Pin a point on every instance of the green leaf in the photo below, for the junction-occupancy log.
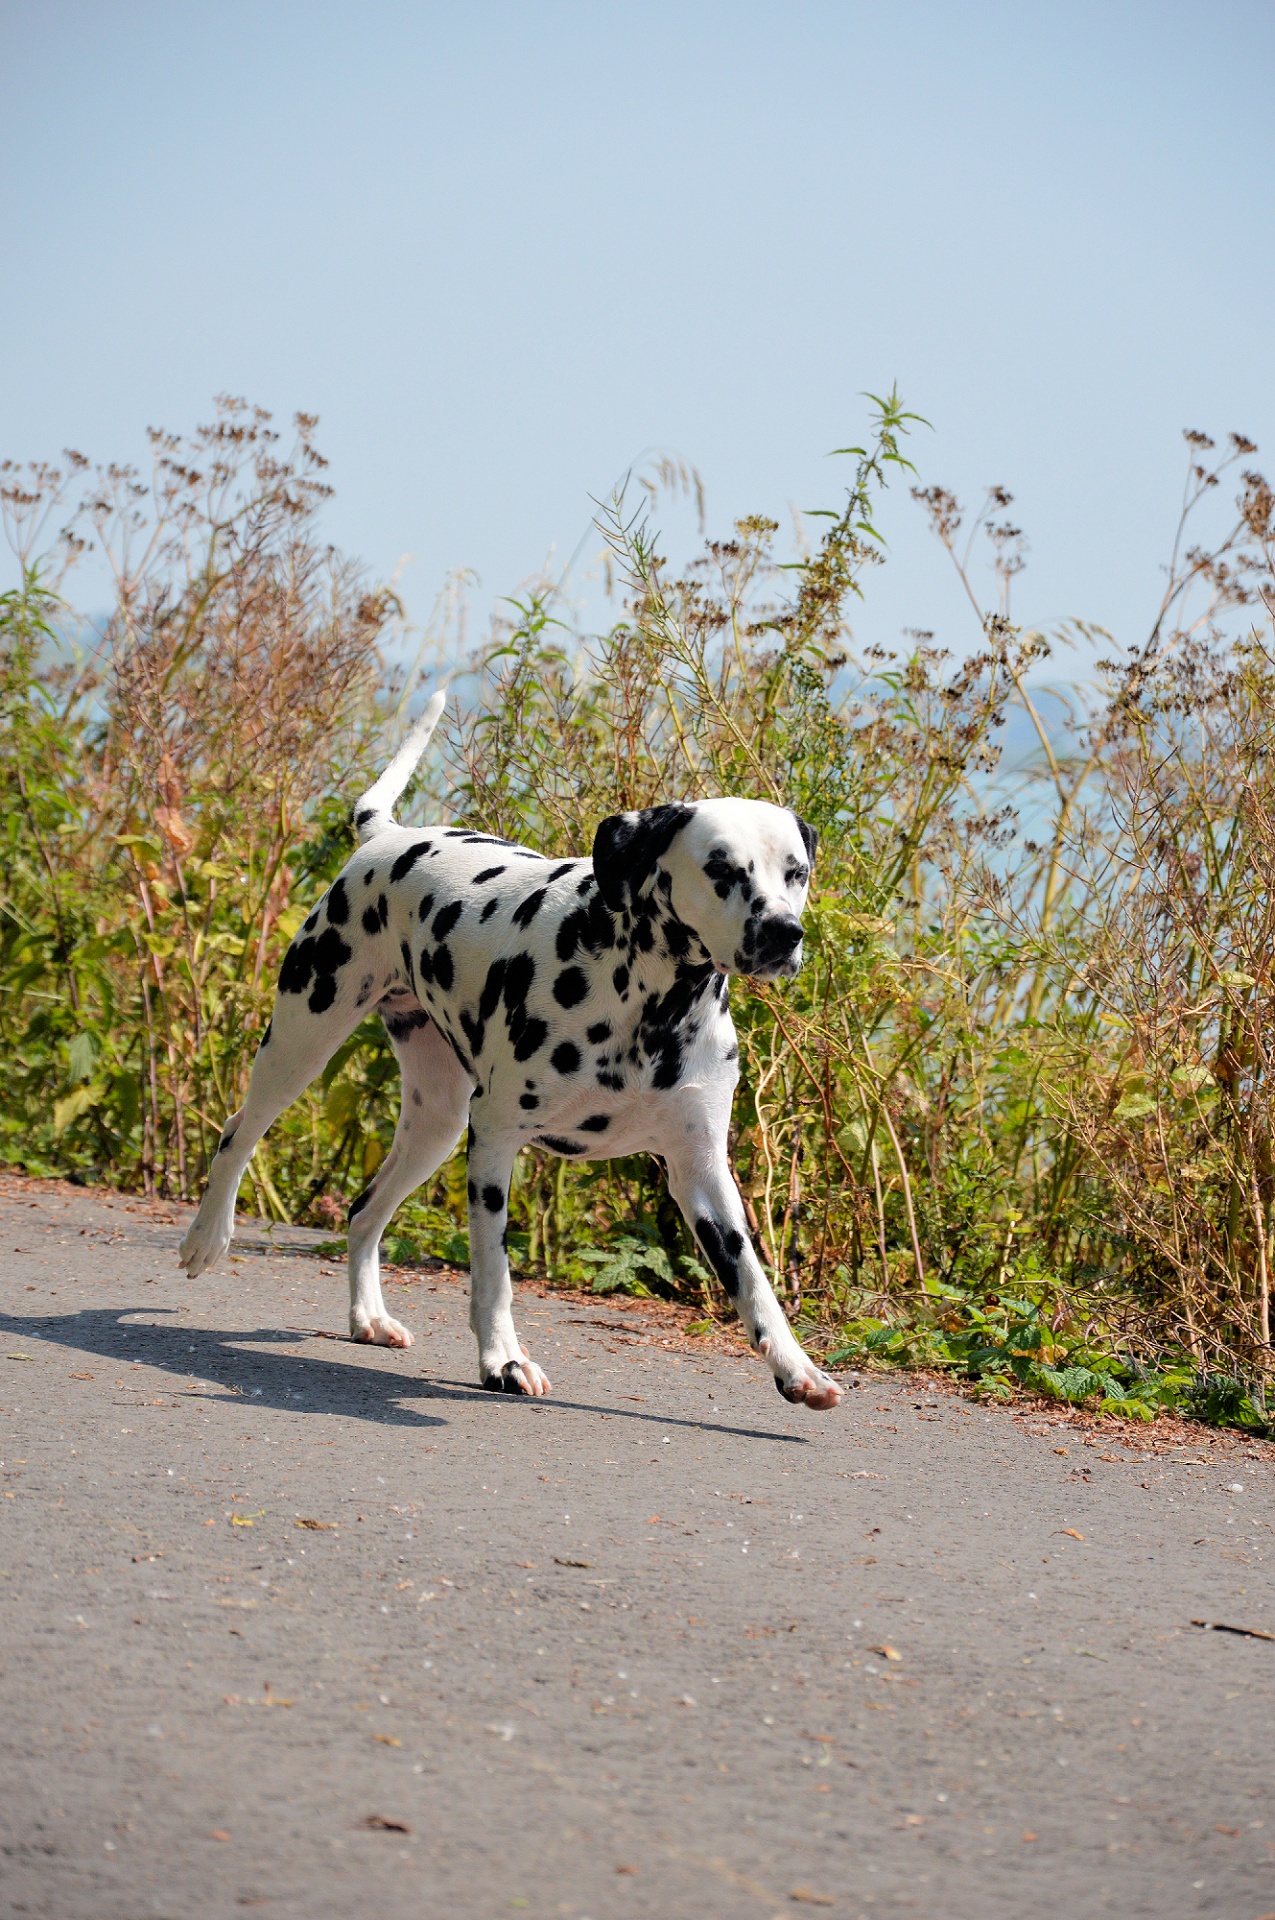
(70, 1108)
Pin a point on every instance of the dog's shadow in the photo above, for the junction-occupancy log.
(252, 1369)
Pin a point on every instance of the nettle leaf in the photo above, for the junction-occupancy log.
(70, 1109)
(1134, 1106)
(81, 1058)
(620, 1265)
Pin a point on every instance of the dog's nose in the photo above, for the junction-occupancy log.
(778, 938)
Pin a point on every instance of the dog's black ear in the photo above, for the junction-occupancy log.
(809, 838)
(627, 845)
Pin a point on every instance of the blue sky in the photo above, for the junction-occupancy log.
(502, 250)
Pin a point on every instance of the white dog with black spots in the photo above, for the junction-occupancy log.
(576, 1005)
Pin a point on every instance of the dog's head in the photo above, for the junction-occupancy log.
(735, 871)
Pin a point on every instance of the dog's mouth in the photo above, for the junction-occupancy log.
(758, 967)
(774, 950)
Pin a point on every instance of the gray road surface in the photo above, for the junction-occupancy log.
(616, 1654)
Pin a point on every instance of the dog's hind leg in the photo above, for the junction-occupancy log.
(503, 1364)
(297, 1046)
(436, 1094)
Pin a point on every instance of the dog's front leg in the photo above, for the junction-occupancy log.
(700, 1179)
(503, 1366)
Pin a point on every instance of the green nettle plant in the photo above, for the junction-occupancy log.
(1014, 1117)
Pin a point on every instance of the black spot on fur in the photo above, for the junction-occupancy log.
(416, 1097)
(493, 1199)
(556, 1145)
(471, 1188)
(620, 979)
(406, 952)
(596, 1123)
(426, 966)
(265, 1038)
(445, 919)
(570, 987)
(226, 1139)
(407, 860)
(358, 1205)
(523, 915)
(312, 922)
(489, 909)
(426, 907)
(364, 814)
(488, 873)
(529, 1037)
(520, 971)
(323, 993)
(371, 920)
(444, 970)
(529, 1101)
(611, 1081)
(338, 904)
(559, 871)
(369, 876)
(493, 986)
(589, 927)
(598, 1032)
(723, 1248)
(565, 1057)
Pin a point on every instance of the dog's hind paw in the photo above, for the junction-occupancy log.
(378, 1330)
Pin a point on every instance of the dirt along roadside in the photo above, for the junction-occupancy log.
(290, 1625)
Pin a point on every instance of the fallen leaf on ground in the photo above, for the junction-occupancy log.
(811, 1899)
(81, 1376)
(1062, 1449)
(380, 1824)
(1232, 1833)
(317, 1526)
(1029, 1836)
(626, 1869)
(272, 1699)
(387, 1739)
(139, 1557)
(1220, 1626)
(1071, 1533)
(219, 1833)
(558, 1561)
(891, 1653)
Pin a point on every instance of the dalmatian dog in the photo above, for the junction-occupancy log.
(576, 1005)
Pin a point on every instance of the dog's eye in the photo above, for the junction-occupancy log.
(796, 876)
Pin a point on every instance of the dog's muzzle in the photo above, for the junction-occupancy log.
(778, 940)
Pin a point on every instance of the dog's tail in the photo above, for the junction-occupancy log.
(376, 808)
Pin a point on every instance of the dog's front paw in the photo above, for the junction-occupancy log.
(803, 1384)
(378, 1330)
(518, 1376)
(202, 1245)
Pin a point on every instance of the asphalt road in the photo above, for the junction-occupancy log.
(314, 1629)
